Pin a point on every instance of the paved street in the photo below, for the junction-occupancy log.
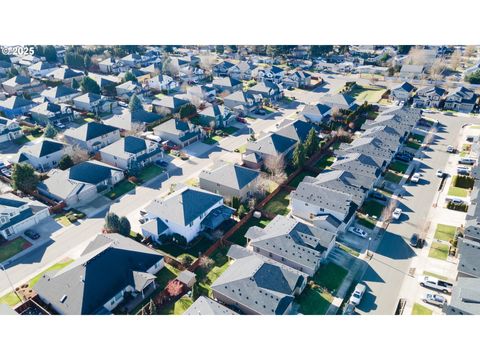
(391, 263)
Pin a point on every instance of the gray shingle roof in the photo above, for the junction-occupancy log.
(125, 147)
(206, 306)
(109, 264)
(272, 144)
(466, 296)
(90, 131)
(231, 175)
(43, 148)
(59, 91)
(469, 263)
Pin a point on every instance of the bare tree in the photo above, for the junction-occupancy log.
(470, 51)
(455, 60)
(276, 166)
(207, 61)
(416, 56)
(205, 262)
(437, 69)
(77, 154)
(136, 129)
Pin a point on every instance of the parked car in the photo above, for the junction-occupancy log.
(455, 201)
(357, 295)
(357, 231)
(349, 309)
(434, 299)
(378, 196)
(451, 149)
(397, 213)
(404, 156)
(260, 112)
(439, 173)
(32, 234)
(415, 178)
(436, 284)
(463, 170)
(466, 161)
(416, 241)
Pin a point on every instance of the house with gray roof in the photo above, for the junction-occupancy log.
(429, 97)
(65, 75)
(229, 180)
(296, 130)
(168, 104)
(41, 69)
(128, 89)
(339, 101)
(465, 299)
(257, 287)
(227, 85)
(49, 112)
(411, 71)
(370, 146)
(92, 136)
(206, 306)
(217, 115)
(94, 103)
(110, 267)
(126, 120)
(19, 214)
(271, 145)
(358, 164)
(60, 94)
(222, 68)
(268, 90)
(318, 113)
(387, 134)
(15, 106)
(22, 84)
(242, 102)
(292, 243)
(43, 155)
(181, 133)
(185, 212)
(469, 254)
(81, 183)
(402, 119)
(402, 92)
(461, 99)
(131, 152)
(9, 130)
(298, 79)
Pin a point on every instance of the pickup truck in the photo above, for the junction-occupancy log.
(435, 284)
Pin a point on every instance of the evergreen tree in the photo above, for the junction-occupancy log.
(65, 162)
(312, 143)
(50, 131)
(135, 104)
(24, 177)
(298, 158)
(88, 85)
(124, 226)
(112, 222)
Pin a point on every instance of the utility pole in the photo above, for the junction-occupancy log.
(10, 282)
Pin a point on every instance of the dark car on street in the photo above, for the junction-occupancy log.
(416, 241)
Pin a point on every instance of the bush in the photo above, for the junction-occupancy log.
(460, 207)
(464, 182)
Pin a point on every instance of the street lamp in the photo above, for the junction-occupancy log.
(10, 282)
(368, 246)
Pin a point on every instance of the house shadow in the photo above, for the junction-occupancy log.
(35, 256)
(395, 247)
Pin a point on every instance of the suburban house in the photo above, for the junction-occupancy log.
(9, 130)
(271, 145)
(370, 146)
(402, 92)
(229, 180)
(252, 161)
(60, 94)
(429, 97)
(461, 99)
(227, 85)
(81, 183)
(22, 84)
(110, 267)
(48, 112)
(131, 152)
(93, 103)
(257, 287)
(162, 83)
(92, 136)
(339, 101)
(43, 155)
(127, 89)
(168, 104)
(387, 134)
(242, 103)
(217, 115)
(242, 70)
(298, 79)
(112, 65)
(222, 68)
(16, 106)
(318, 113)
(465, 299)
(66, 76)
(469, 254)
(292, 243)
(297, 130)
(268, 90)
(411, 71)
(186, 212)
(202, 92)
(181, 133)
(132, 60)
(18, 214)
(41, 69)
(272, 73)
(123, 119)
(206, 306)
(357, 163)
(402, 119)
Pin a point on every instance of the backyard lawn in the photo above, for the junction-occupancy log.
(239, 236)
(445, 232)
(176, 308)
(22, 140)
(421, 310)
(221, 263)
(413, 145)
(348, 250)
(13, 247)
(119, 189)
(165, 275)
(279, 203)
(439, 251)
(399, 167)
(456, 191)
(149, 172)
(330, 276)
(299, 178)
(325, 162)
(392, 177)
(198, 245)
(372, 208)
(314, 301)
(367, 93)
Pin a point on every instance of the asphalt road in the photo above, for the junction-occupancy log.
(391, 262)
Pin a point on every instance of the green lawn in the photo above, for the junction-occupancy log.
(13, 247)
(279, 203)
(11, 299)
(166, 274)
(230, 130)
(366, 93)
(392, 177)
(239, 236)
(366, 221)
(439, 251)
(456, 191)
(22, 141)
(330, 276)
(209, 141)
(445, 232)
(421, 310)
(441, 277)
(56, 267)
(413, 145)
(348, 250)
(418, 138)
(177, 308)
(325, 162)
(206, 279)
(119, 189)
(399, 167)
(149, 172)
(372, 208)
(299, 178)
(198, 245)
(314, 301)
(62, 220)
